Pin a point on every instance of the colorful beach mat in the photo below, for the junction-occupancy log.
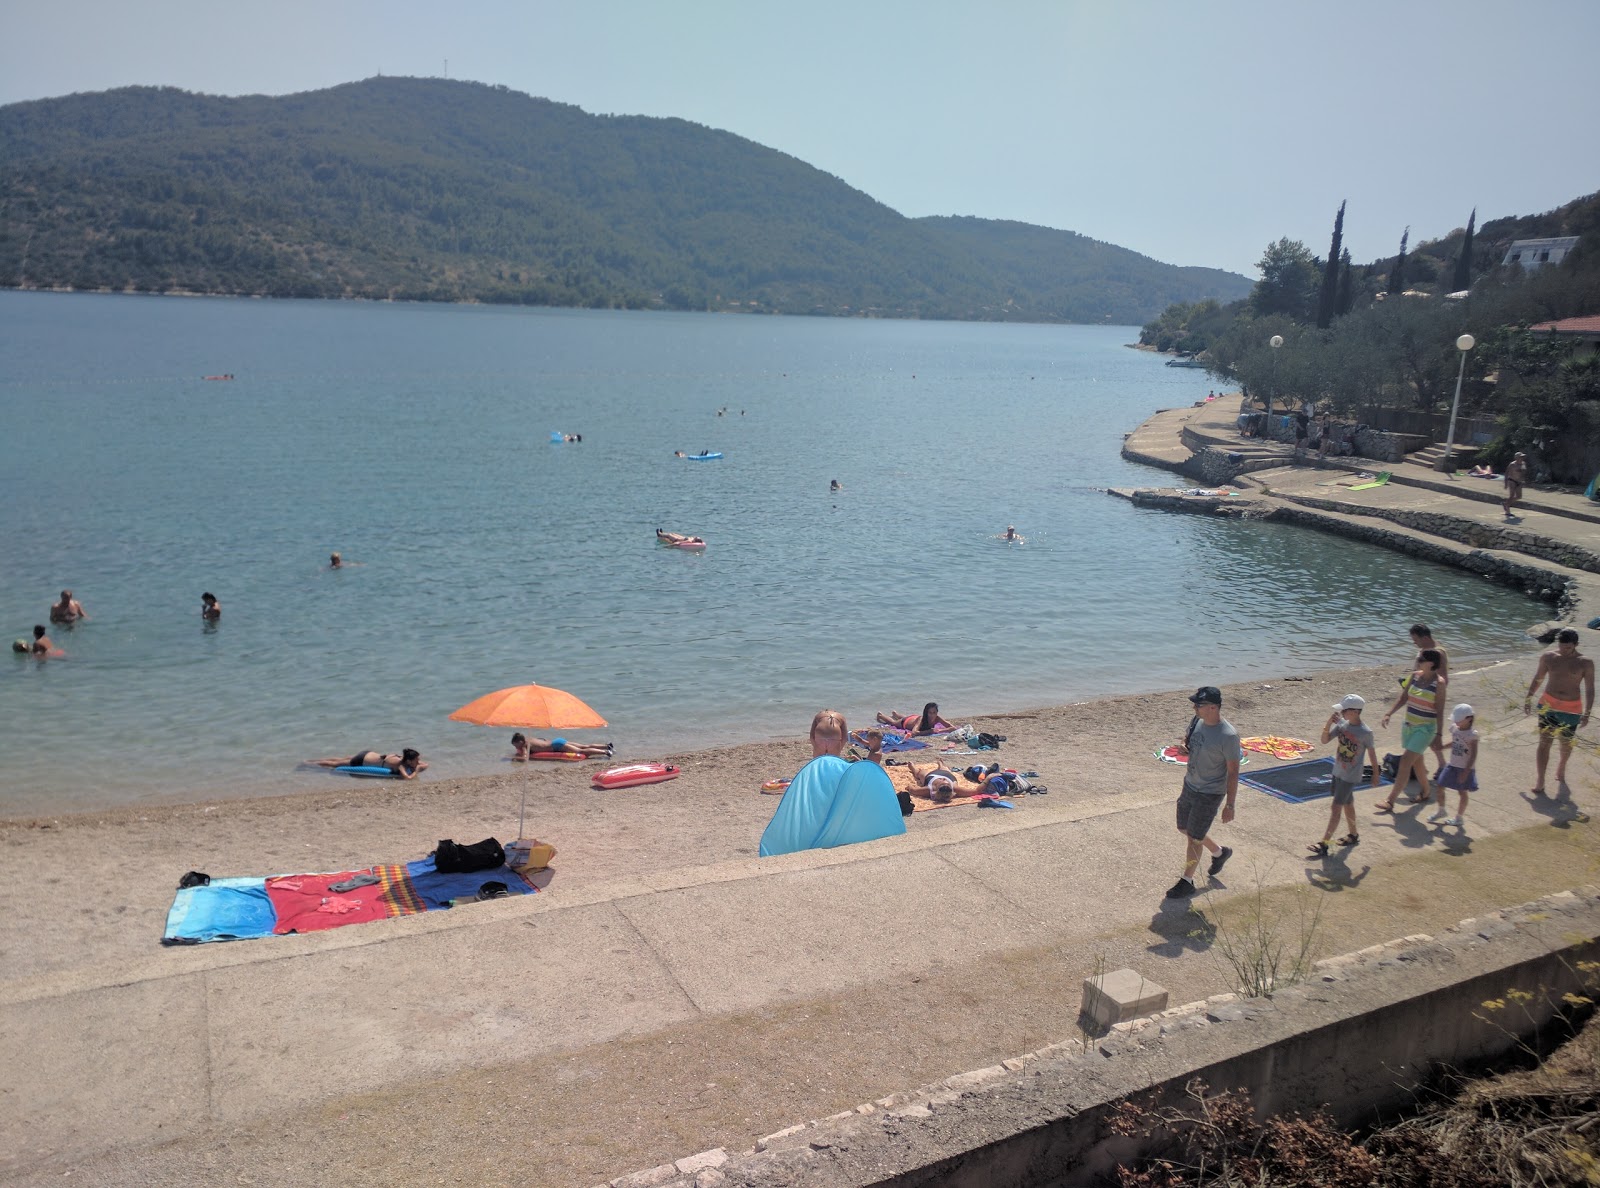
(1277, 746)
(276, 905)
(1311, 779)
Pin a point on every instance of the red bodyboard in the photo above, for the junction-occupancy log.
(635, 773)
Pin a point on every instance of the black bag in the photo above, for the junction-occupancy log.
(451, 858)
(988, 742)
(1391, 766)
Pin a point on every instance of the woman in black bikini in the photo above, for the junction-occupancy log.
(405, 765)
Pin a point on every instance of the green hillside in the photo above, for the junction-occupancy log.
(428, 189)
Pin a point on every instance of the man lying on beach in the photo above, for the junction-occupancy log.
(1565, 704)
(68, 610)
(405, 765)
(522, 747)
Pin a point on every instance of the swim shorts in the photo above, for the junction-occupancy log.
(1558, 723)
(1344, 791)
(1196, 812)
(1419, 737)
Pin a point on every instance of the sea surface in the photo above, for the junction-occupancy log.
(415, 441)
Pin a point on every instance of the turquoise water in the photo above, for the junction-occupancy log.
(415, 440)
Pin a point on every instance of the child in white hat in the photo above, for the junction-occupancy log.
(1353, 737)
(1460, 770)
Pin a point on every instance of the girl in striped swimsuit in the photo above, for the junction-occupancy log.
(1421, 693)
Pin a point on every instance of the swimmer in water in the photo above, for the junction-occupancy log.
(336, 562)
(834, 486)
(68, 610)
(210, 608)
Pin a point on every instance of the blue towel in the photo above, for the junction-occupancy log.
(833, 803)
(224, 909)
(437, 890)
(892, 742)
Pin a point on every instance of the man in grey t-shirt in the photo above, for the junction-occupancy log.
(1210, 783)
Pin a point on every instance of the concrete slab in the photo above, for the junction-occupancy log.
(735, 946)
(88, 1087)
(350, 1020)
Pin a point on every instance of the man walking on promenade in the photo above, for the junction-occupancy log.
(1210, 783)
(1566, 675)
(1516, 475)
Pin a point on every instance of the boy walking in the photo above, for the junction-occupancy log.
(1354, 737)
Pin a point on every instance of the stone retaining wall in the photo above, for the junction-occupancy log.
(1358, 1039)
(1508, 537)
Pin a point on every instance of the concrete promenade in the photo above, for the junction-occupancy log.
(580, 1034)
(1456, 520)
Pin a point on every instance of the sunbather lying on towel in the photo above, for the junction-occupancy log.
(522, 747)
(927, 722)
(936, 778)
(405, 765)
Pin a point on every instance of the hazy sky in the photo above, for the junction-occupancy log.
(1195, 132)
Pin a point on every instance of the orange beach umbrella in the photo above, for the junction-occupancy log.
(534, 707)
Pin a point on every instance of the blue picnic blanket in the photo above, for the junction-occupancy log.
(436, 890)
(223, 909)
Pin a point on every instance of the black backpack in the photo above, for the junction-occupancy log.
(452, 858)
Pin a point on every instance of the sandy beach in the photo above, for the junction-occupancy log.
(713, 813)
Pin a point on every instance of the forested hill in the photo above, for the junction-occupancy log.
(428, 189)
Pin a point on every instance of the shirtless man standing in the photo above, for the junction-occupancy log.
(68, 610)
(1567, 676)
(1516, 475)
(1422, 636)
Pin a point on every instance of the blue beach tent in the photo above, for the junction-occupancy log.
(833, 803)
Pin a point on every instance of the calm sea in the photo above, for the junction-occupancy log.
(415, 440)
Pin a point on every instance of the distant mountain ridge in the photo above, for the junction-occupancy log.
(431, 189)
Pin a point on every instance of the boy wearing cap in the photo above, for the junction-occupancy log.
(1460, 772)
(1353, 737)
(1210, 785)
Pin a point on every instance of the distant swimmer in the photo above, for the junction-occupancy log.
(405, 765)
(336, 562)
(68, 610)
(210, 608)
(229, 376)
(679, 454)
(1011, 534)
(834, 486)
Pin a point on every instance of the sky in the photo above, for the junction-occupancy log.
(1195, 133)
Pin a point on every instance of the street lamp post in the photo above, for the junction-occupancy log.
(1274, 342)
(1463, 344)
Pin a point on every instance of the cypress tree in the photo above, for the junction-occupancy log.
(1347, 286)
(1330, 274)
(1463, 277)
(1397, 274)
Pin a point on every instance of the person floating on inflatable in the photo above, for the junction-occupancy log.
(831, 802)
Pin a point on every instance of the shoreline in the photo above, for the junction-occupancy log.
(336, 790)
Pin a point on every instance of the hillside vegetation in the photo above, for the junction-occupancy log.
(429, 189)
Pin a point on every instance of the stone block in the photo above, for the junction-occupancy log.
(1122, 994)
(690, 1164)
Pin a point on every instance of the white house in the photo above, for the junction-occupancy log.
(1535, 253)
